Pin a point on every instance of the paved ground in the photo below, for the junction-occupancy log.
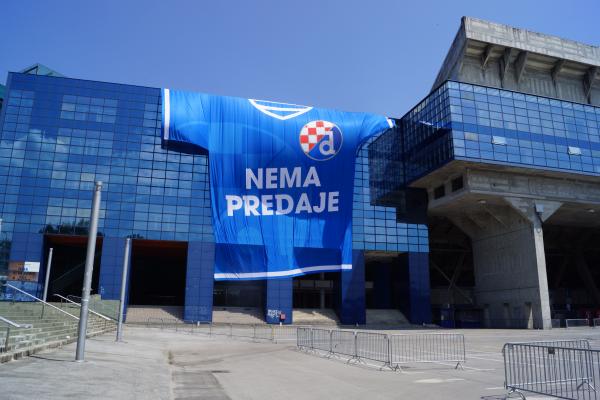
(155, 364)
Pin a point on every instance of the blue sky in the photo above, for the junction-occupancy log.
(376, 56)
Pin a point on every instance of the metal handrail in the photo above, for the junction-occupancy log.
(40, 300)
(72, 296)
(14, 324)
(4, 346)
(79, 305)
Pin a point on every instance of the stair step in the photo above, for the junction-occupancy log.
(50, 329)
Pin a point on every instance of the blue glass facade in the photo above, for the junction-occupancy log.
(59, 135)
(460, 121)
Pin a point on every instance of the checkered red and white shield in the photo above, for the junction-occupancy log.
(314, 134)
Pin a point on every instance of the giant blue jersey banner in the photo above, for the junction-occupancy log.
(281, 180)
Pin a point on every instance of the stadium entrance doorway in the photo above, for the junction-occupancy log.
(68, 264)
(158, 271)
(316, 290)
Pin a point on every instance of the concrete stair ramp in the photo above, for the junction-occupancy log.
(315, 316)
(238, 315)
(387, 318)
(142, 314)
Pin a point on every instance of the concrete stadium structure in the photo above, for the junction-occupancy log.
(511, 173)
(481, 208)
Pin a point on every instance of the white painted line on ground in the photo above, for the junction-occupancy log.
(484, 358)
(467, 367)
(438, 380)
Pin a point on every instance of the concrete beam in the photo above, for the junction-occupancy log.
(496, 216)
(459, 290)
(535, 211)
(487, 53)
(458, 269)
(504, 63)
(520, 65)
(588, 82)
(533, 187)
(550, 46)
(557, 69)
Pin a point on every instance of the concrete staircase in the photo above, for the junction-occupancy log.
(387, 318)
(238, 315)
(315, 316)
(50, 329)
(145, 314)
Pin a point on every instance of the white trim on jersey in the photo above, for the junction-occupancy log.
(267, 109)
(166, 113)
(281, 274)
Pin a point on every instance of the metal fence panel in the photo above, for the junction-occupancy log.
(577, 323)
(373, 346)
(556, 323)
(154, 321)
(427, 347)
(220, 329)
(321, 339)
(284, 333)
(568, 373)
(202, 329)
(304, 338)
(263, 332)
(242, 331)
(596, 322)
(566, 343)
(343, 342)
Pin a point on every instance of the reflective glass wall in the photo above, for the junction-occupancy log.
(59, 135)
(459, 121)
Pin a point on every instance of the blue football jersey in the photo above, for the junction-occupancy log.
(281, 180)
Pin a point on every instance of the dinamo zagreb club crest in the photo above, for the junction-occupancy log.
(321, 140)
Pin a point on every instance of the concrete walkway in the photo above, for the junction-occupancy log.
(155, 364)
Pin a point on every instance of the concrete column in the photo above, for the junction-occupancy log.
(510, 262)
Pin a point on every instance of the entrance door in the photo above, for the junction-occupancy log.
(68, 264)
(158, 269)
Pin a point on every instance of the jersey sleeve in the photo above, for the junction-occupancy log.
(373, 125)
(186, 119)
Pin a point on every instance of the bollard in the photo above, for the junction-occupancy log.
(47, 280)
(87, 277)
(123, 290)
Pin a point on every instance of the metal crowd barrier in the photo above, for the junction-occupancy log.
(273, 333)
(390, 350)
(556, 323)
(566, 343)
(577, 323)
(373, 346)
(563, 369)
(428, 347)
(596, 322)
